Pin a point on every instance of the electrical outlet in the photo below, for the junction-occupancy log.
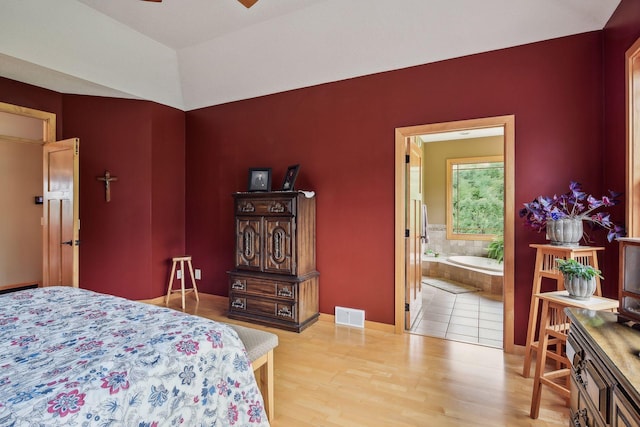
(179, 274)
(198, 274)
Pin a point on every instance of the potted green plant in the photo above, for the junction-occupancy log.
(579, 279)
(495, 250)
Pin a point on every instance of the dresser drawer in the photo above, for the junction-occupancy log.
(625, 413)
(582, 412)
(266, 288)
(592, 385)
(240, 303)
(265, 207)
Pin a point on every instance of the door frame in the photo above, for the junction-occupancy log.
(48, 135)
(508, 123)
(48, 122)
(632, 81)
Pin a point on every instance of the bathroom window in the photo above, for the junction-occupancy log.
(475, 198)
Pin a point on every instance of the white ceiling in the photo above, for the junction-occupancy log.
(196, 53)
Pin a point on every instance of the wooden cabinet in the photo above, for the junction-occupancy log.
(629, 294)
(590, 385)
(625, 413)
(603, 350)
(275, 281)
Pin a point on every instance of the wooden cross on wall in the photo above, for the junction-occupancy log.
(107, 178)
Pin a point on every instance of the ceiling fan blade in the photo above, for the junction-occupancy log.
(245, 3)
(248, 3)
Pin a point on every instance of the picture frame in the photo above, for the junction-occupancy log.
(290, 178)
(259, 179)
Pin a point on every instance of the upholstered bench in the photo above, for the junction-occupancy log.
(259, 346)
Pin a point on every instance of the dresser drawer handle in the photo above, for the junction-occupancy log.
(247, 207)
(238, 285)
(277, 208)
(582, 413)
(583, 382)
(238, 303)
(285, 292)
(285, 312)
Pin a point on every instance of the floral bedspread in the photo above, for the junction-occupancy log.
(74, 357)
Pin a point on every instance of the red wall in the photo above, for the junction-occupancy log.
(168, 193)
(24, 95)
(126, 243)
(342, 134)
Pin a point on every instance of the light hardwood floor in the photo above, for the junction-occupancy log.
(332, 375)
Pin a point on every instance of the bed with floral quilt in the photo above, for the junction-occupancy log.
(73, 357)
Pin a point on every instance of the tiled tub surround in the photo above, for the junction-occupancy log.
(438, 243)
(489, 282)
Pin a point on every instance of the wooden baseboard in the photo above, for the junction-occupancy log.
(518, 349)
(376, 326)
(323, 316)
(153, 301)
(19, 285)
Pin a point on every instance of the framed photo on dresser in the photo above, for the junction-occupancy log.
(290, 178)
(260, 179)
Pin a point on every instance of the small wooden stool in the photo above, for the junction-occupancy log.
(194, 288)
(554, 324)
(546, 267)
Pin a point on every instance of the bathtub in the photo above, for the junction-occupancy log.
(483, 273)
(477, 262)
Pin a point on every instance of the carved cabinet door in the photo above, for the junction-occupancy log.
(279, 246)
(248, 243)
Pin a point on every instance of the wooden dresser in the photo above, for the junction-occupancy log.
(605, 371)
(275, 281)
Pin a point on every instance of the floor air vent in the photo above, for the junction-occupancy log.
(350, 317)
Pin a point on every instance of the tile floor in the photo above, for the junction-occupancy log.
(473, 317)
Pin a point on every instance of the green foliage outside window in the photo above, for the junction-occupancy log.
(477, 201)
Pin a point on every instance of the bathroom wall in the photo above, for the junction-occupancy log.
(438, 243)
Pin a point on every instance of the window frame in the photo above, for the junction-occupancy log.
(451, 235)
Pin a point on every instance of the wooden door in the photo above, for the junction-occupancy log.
(248, 245)
(413, 252)
(61, 224)
(279, 245)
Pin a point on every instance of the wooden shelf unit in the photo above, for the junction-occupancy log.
(555, 324)
(545, 267)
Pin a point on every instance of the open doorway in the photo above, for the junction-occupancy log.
(461, 262)
(23, 132)
(40, 236)
(402, 134)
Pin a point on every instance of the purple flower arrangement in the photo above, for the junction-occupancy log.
(575, 203)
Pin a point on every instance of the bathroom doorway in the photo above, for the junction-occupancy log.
(463, 209)
(506, 124)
